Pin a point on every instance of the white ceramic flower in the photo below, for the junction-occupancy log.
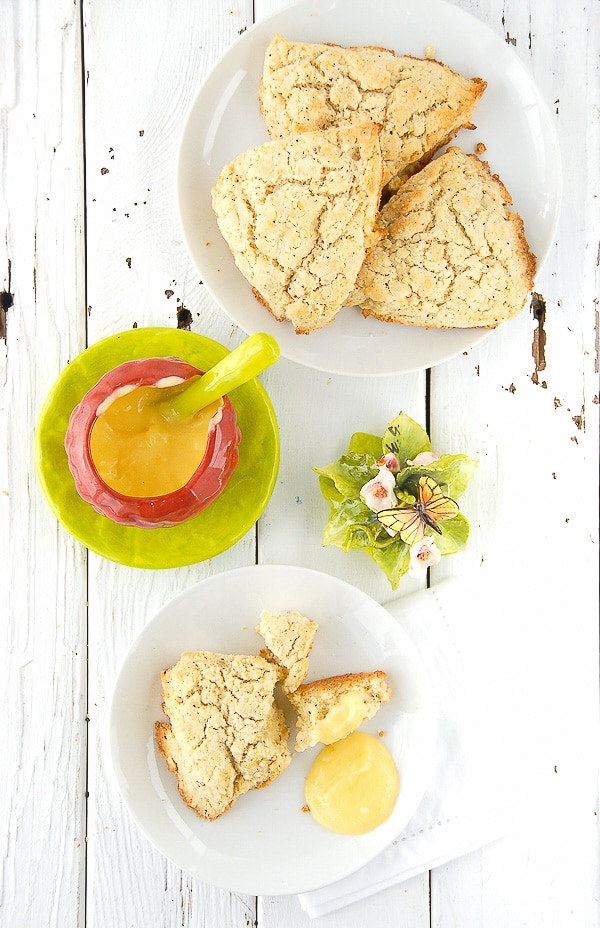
(390, 461)
(378, 493)
(423, 459)
(423, 554)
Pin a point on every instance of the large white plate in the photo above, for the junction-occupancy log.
(512, 120)
(265, 844)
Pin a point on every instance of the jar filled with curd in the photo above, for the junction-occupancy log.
(136, 461)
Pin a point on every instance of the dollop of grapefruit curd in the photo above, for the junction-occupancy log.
(352, 785)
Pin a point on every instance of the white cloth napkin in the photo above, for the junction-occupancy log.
(478, 789)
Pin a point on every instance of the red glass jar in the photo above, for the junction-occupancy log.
(206, 483)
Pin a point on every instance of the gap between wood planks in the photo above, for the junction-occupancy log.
(6, 301)
(84, 79)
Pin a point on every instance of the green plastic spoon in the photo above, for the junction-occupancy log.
(242, 364)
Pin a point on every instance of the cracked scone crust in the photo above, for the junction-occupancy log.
(313, 701)
(289, 637)
(299, 217)
(454, 255)
(225, 735)
(420, 103)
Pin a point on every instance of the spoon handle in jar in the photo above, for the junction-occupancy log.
(246, 361)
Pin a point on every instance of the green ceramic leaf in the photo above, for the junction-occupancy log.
(405, 438)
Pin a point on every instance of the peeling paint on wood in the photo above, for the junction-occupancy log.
(597, 329)
(184, 318)
(538, 309)
(6, 302)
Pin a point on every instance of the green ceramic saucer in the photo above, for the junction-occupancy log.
(225, 521)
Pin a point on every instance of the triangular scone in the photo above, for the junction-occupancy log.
(226, 734)
(299, 217)
(289, 638)
(420, 103)
(329, 709)
(454, 256)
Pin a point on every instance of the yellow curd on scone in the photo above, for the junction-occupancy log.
(342, 719)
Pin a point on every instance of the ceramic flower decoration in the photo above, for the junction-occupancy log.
(378, 493)
(423, 458)
(395, 499)
(390, 461)
(423, 554)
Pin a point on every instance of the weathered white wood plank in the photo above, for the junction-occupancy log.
(317, 414)
(143, 68)
(43, 650)
(143, 64)
(406, 905)
(531, 406)
(315, 431)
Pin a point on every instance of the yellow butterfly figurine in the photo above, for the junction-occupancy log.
(431, 508)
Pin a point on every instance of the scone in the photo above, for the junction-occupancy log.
(289, 638)
(299, 217)
(226, 734)
(454, 256)
(420, 103)
(329, 709)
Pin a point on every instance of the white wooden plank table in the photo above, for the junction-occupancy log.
(93, 98)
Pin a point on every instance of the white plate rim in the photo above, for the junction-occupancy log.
(370, 352)
(140, 772)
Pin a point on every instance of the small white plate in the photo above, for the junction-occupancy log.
(266, 844)
(512, 121)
